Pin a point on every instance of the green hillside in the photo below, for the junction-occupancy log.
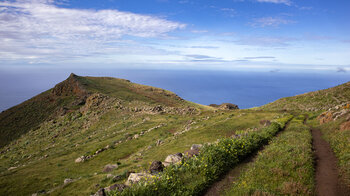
(313, 101)
(61, 141)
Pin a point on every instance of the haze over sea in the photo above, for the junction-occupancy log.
(246, 89)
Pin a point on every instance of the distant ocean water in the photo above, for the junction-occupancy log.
(246, 89)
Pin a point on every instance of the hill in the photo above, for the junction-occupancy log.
(313, 101)
(70, 95)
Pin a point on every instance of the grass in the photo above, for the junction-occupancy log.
(284, 167)
(192, 176)
(313, 101)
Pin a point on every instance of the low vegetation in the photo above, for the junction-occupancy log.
(284, 167)
(192, 176)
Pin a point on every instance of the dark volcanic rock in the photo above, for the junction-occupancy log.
(156, 167)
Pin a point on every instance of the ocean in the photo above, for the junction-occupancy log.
(246, 89)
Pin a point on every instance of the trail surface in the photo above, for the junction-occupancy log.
(327, 178)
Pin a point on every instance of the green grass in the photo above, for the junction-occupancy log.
(194, 175)
(313, 101)
(284, 167)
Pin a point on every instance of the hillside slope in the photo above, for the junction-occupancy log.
(313, 101)
(71, 95)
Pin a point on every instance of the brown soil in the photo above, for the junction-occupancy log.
(327, 178)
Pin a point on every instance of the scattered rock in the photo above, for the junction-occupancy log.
(80, 159)
(11, 168)
(136, 177)
(136, 136)
(159, 142)
(100, 192)
(172, 159)
(109, 176)
(225, 106)
(67, 180)
(116, 178)
(110, 167)
(156, 167)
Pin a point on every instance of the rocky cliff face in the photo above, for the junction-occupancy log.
(71, 86)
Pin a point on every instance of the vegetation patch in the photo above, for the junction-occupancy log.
(284, 167)
(193, 175)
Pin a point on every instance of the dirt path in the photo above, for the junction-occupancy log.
(327, 180)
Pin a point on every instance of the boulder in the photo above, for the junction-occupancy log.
(172, 159)
(67, 180)
(110, 167)
(159, 142)
(80, 159)
(136, 177)
(156, 167)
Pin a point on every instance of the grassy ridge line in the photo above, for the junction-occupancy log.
(285, 167)
(193, 176)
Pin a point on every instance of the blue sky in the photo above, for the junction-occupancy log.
(267, 35)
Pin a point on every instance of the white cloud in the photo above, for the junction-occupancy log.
(286, 2)
(39, 28)
(270, 21)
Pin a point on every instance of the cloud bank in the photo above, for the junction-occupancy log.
(35, 28)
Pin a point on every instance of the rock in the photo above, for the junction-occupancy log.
(67, 180)
(110, 167)
(345, 126)
(11, 168)
(225, 106)
(156, 167)
(136, 136)
(80, 159)
(118, 187)
(172, 159)
(100, 192)
(159, 142)
(196, 147)
(116, 178)
(136, 177)
(35, 194)
(109, 176)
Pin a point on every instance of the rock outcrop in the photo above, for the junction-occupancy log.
(225, 106)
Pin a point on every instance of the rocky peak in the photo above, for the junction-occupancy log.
(71, 86)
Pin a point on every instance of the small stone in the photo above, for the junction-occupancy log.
(110, 167)
(136, 136)
(80, 159)
(136, 177)
(109, 175)
(11, 168)
(67, 180)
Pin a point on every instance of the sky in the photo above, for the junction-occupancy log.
(267, 35)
